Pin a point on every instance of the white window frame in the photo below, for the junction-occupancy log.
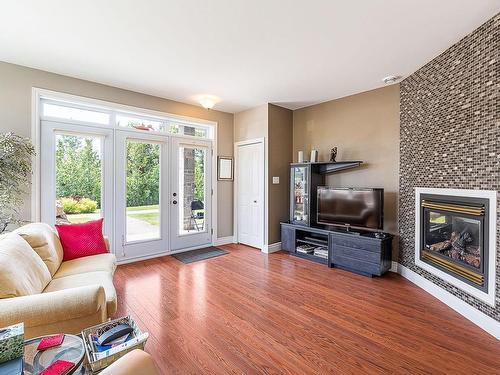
(39, 95)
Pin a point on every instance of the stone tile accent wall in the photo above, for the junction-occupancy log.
(450, 136)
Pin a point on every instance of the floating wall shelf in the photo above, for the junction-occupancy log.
(326, 167)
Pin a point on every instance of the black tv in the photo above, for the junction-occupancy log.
(351, 207)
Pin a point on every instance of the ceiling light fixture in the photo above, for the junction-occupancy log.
(208, 101)
(389, 80)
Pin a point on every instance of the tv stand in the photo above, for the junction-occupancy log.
(358, 251)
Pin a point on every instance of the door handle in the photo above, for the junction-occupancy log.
(174, 202)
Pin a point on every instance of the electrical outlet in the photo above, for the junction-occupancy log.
(276, 180)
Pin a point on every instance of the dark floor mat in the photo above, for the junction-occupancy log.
(200, 254)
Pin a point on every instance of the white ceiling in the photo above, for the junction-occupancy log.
(292, 53)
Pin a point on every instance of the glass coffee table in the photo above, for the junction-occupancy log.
(71, 349)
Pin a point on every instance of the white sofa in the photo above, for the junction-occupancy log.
(47, 294)
(132, 363)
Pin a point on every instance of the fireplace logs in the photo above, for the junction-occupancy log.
(460, 240)
(458, 248)
(440, 246)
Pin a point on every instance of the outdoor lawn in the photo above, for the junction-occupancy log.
(148, 214)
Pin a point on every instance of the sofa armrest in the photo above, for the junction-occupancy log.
(52, 310)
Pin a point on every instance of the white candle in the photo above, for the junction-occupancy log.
(301, 156)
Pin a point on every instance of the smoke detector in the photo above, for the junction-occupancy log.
(389, 80)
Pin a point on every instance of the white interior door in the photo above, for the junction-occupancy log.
(76, 174)
(250, 194)
(141, 188)
(190, 194)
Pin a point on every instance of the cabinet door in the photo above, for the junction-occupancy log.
(287, 239)
(300, 195)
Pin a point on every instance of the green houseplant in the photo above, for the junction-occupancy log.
(16, 155)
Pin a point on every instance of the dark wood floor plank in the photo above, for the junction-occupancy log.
(251, 313)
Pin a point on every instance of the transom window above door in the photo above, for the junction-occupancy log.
(111, 117)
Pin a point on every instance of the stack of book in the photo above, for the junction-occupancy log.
(321, 252)
(305, 249)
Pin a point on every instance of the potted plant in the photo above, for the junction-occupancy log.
(16, 155)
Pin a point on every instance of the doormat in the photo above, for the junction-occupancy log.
(200, 254)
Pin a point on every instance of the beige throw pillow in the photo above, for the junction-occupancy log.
(22, 271)
(44, 240)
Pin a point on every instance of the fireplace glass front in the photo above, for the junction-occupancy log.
(453, 239)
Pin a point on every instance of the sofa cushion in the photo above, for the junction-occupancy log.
(44, 240)
(82, 239)
(22, 271)
(100, 262)
(105, 279)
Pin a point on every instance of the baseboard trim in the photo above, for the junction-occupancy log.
(272, 248)
(224, 241)
(485, 322)
(394, 267)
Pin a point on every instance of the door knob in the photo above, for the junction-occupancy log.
(174, 202)
(254, 201)
(174, 194)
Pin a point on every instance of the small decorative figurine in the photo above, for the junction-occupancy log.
(333, 154)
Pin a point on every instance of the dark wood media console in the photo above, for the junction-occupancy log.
(357, 251)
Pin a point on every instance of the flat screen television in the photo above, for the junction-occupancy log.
(359, 208)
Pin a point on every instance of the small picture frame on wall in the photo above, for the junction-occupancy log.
(225, 168)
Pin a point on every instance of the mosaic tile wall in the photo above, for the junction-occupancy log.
(450, 136)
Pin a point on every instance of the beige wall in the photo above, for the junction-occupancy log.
(274, 124)
(363, 127)
(15, 106)
(251, 124)
(280, 133)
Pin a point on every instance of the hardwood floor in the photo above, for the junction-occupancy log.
(250, 313)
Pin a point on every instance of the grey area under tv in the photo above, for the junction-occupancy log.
(359, 251)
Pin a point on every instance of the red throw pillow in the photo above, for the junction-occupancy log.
(81, 240)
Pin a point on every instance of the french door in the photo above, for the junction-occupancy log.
(76, 174)
(141, 194)
(191, 193)
(153, 191)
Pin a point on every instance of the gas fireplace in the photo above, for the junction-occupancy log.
(455, 238)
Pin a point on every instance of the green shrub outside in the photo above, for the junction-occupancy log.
(78, 206)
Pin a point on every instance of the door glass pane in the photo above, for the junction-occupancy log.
(143, 191)
(78, 178)
(192, 182)
(301, 198)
